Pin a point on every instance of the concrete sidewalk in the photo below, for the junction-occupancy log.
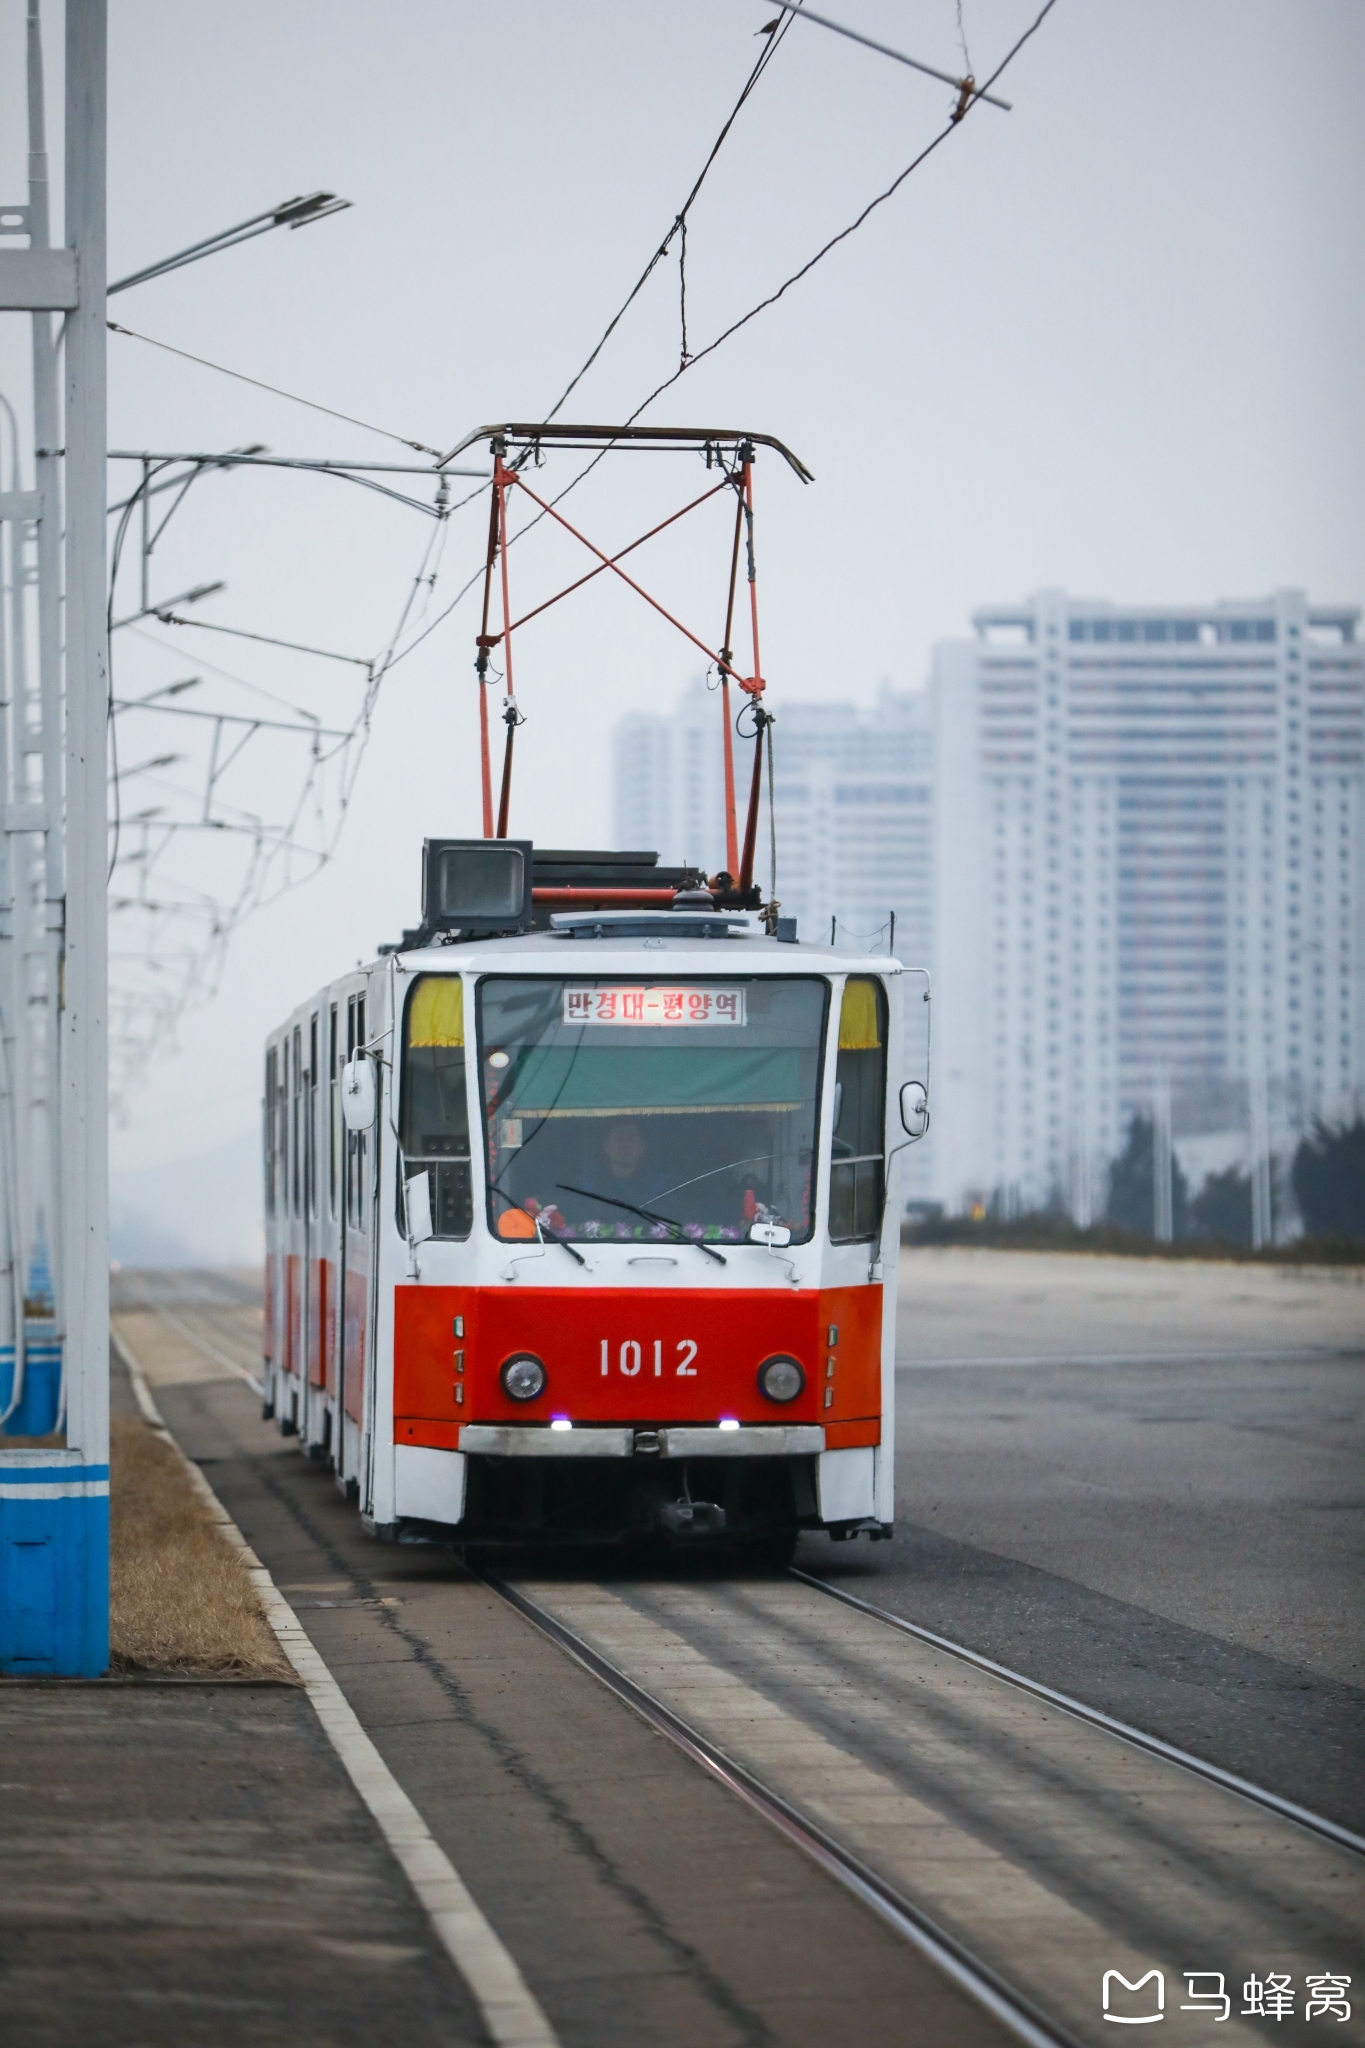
(187, 1862)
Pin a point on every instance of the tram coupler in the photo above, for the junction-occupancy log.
(691, 1517)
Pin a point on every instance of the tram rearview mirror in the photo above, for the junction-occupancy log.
(357, 1094)
(476, 886)
(915, 1108)
(769, 1234)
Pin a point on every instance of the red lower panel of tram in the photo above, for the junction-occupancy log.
(635, 1355)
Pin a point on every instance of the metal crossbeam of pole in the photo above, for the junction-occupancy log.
(291, 213)
(37, 280)
(259, 458)
(966, 86)
(84, 1073)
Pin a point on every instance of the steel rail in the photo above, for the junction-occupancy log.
(943, 1950)
(1331, 1830)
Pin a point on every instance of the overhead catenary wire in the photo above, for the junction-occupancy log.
(962, 41)
(367, 426)
(170, 618)
(954, 122)
(679, 227)
(688, 360)
(679, 224)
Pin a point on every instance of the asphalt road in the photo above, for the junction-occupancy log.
(1142, 1482)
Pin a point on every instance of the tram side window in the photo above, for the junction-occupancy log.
(435, 1117)
(282, 1129)
(333, 1110)
(271, 1084)
(282, 1132)
(857, 1164)
(355, 1154)
(295, 1126)
(310, 1157)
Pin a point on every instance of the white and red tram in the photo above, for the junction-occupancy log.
(580, 1211)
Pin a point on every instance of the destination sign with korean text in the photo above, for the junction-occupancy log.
(659, 1005)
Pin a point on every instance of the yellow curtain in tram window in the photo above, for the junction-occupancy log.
(437, 1013)
(858, 1021)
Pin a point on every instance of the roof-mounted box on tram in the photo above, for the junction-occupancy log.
(476, 888)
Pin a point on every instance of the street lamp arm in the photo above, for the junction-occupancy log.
(291, 213)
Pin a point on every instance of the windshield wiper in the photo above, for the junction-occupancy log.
(650, 1215)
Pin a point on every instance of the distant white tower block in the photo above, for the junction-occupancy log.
(1149, 860)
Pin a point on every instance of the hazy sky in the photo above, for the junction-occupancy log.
(1108, 341)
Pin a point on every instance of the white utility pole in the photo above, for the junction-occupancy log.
(54, 1502)
(85, 1059)
(47, 434)
(1262, 1216)
(1163, 1164)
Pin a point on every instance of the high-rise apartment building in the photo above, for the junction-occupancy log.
(1149, 866)
(853, 811)
(852, 805)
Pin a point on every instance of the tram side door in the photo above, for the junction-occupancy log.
(332, 1226)
(315, 1311)
(357, 1163)
(295, 1289)
(272, 1326)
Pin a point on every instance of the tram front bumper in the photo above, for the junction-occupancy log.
(751, 1440)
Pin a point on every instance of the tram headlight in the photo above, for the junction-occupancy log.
(523, 1377)
(780, 1378)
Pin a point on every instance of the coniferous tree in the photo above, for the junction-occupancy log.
(1329, 1179)
(1132, 1183)
(1222, 1208)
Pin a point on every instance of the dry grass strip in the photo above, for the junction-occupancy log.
(180, 1600)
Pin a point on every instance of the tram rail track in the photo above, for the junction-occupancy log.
(1330, 1830)
(1023, 1843)
(1014, 2011)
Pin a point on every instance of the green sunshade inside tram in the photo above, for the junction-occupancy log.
(578, 1081)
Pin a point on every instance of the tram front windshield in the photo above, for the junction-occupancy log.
(649, 1110)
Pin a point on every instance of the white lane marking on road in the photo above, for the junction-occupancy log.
(510, 2012)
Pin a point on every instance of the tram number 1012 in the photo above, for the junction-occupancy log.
(630, 1359)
